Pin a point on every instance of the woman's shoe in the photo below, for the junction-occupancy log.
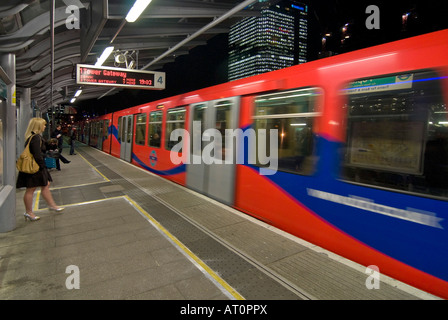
(56, 209)
(30, 218)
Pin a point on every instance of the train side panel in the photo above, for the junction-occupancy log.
(357, 136)
(403, 233)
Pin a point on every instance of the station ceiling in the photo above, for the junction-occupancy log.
(166, 29)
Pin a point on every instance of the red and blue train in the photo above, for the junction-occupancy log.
(361, 157)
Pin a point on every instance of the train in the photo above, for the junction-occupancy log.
(348, 152)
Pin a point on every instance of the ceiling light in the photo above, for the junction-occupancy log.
(78, 93)
(104, 56)
(137, 9)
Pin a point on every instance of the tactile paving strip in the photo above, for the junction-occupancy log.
(243, 276)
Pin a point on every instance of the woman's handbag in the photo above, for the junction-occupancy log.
(26, 162)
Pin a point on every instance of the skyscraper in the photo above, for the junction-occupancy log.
(277, 39)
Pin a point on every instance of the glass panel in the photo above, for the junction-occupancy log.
(175, 120)
(397, 133)
(296, 101)
(140, 129)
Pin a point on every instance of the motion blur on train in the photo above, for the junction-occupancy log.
(360, 164)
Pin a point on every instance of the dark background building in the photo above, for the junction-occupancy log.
(333, 27)
(275, 40)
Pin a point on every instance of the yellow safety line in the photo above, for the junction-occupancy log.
(221, 281)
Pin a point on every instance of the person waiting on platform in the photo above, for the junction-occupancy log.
(71, 141)
(41, 178)
(57, 133)
(55, 152)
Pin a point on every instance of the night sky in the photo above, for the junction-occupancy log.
(207, 65)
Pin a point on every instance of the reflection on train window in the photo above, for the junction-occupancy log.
(397, 133)
(293, 114)
(175, 119)
(140, 129)
(155, 128)
(120, 129)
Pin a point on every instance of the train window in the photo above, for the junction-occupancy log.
(175, 120)
(120, 129)
(155, 128)
(140, 129)
(106, 128)
(293, 114)
(129, 130)
(397, 133)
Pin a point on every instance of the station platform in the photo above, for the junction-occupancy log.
(126, 233)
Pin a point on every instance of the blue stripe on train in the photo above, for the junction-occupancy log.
(408, 228)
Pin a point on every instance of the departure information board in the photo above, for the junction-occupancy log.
(120, 77)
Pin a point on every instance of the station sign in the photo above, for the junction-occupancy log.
(119, 77)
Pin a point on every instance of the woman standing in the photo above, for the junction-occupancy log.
(42, 178)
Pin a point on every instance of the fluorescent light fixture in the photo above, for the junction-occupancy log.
(73, 100)
(78, 93)
(137, 9)
(104, 56)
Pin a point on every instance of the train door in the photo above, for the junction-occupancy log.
(127, 126)
(207, 172)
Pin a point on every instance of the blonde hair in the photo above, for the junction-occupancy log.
(36, 125)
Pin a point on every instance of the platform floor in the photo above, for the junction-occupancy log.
(128, 234)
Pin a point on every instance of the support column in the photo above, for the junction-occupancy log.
(24, 114)
(8, 192)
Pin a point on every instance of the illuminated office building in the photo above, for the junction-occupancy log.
(277, 39)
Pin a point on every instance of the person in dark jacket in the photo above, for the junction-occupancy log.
(53, 146)
(72, 141)
(57, 133)
(42, 178)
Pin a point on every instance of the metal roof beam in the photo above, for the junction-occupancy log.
(238, 8)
